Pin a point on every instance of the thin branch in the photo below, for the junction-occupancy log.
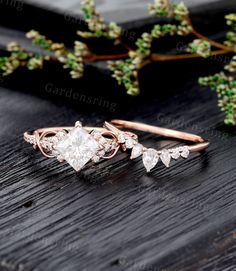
(157, 57)
(203, 37)
(125, 45)
(94, 57)
(212, 42)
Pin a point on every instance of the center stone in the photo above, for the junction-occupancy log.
(78, 147)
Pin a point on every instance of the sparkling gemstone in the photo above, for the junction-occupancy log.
(97, 135)
(57, 138)
(78, 124)
(165, 157)
(101, 153)
(136, 151)
(31, 141)
(107, 147)
(150, 159)
(175, 154)
(78, 147)
(185, 152)
(96, 159)
(114, 145)
(129, 143)
(61, 134)
(58, 156)
(102, 140)
(121, 138)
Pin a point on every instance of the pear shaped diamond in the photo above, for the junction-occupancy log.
(175, 154)
(165, 157)
(150, 159)
(136, 151)
(185, 152)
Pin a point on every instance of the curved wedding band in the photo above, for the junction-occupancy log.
(151, 156)
(78, 145)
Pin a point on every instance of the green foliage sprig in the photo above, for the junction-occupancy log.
(125, 67)
(225, 84)
(96, 25)
(19, 57)
(200, 47)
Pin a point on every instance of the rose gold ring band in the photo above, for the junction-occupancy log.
(79, 145)
(201, 145)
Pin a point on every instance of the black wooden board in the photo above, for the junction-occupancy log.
(114, 216)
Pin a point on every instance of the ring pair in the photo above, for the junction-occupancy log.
(79, 145)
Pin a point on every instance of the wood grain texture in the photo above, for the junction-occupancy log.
(121, 11)
(114, 216)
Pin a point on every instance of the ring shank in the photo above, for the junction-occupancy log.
(202, 144)
(52, 130)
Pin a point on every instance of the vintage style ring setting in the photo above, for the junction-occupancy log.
(79, 145)
(76, 145)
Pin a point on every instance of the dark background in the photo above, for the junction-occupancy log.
(114, 216)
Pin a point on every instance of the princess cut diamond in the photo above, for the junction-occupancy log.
(78, 147)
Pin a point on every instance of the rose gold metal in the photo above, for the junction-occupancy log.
(41, 137)
(115, 130)
(112, 130)
(108, 133)
(41, 133)
(58, 129)
(200, 146)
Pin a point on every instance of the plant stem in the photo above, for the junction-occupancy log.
(125, 45)
(157, 57)
(201, 36)
(212, 42)
(94, 57)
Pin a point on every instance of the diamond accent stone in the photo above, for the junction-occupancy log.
(61, 134)
(185, 152)
(175, 154)
(105, 143)
(97, 135)
(121, 138)
(130, 142)
(165, 157)
(102, 140)
(58, 156)
(78, 147)
(96, 159)
(150, 159)
(101, 153)
(136, 151)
